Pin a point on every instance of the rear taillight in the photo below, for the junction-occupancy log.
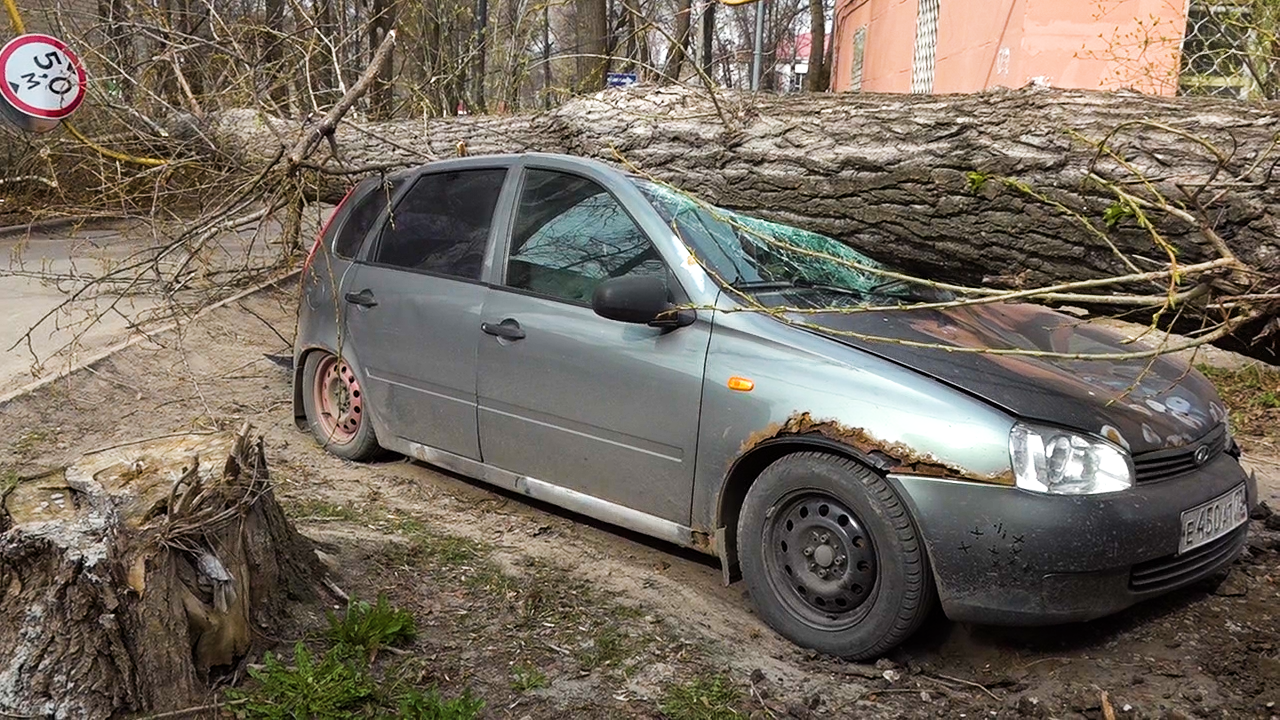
(325, 230)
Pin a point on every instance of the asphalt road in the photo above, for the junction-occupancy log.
(25, 299)
(89, 326)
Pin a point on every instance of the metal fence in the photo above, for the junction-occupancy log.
(1232, 49)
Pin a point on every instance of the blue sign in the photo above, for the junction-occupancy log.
(622, 79)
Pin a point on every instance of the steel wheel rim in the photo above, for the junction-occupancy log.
(820, 560)
(339, 401)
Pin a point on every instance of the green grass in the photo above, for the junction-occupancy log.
(341, 683)
(710, 698)
(526, 677)
(1251, 394)
(333, 686)
(369, 627)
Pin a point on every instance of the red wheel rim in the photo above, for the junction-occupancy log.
(339, 402)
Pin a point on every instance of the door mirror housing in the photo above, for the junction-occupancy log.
(640, 299)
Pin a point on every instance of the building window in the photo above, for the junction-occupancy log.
(859, 56)
(1225, 51)
(926, 46)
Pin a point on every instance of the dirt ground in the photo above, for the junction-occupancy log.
(546, 615)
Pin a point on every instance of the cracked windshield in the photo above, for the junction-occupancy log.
(777, 264)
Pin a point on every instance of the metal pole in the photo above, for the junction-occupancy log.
(758, 58)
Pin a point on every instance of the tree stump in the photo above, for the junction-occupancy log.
(129, 580)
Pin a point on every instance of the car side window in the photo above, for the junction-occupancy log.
(369, 203)
(570, 234)
(441, 224)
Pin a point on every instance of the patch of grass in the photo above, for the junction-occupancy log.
(429, 705)
(526, 677)
(321, 510)
(1252, 395)
(702, 698)
(609, 647)
(341, 682)
(334, 686)
(369, 627)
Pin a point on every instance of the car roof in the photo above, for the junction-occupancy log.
(505, 159)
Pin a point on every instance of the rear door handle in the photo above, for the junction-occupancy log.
(508, 329)
(364, 298)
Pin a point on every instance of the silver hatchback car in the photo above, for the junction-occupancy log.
(595, 340)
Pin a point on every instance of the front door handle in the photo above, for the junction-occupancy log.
(364, 298)
(508, 329)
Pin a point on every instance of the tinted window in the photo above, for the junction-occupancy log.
(570, 234)
(367, 200)
(441, 225)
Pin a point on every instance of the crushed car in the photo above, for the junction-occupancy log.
(856, 444)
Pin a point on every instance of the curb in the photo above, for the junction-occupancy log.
(101, 355)
(55, 223)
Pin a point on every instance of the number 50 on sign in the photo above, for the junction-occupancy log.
(42, 79)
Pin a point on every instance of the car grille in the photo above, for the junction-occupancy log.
(1164, 464)
(1171, 571)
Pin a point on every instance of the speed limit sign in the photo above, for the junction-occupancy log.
(42, 78)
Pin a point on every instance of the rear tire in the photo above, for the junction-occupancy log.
(336, 408)
(832, 558)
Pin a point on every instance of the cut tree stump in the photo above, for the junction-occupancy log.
(132, 578)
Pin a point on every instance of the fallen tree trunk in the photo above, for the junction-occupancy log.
(129, 579)
(999, 188)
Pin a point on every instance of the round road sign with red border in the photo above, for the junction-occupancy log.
(41, 77)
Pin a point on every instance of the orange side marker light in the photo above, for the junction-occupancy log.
(741, 384)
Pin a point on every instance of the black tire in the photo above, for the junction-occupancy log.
(812, 508)
(359, 444)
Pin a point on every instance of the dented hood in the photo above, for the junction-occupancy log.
(1141, 404)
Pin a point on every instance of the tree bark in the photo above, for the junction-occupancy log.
(680, 41)
(131, 579)
(382, 95)
(817, 76)
(966, 188)
(593, 43)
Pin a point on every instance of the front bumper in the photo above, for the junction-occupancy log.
(1005, 556)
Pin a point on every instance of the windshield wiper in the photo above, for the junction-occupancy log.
(793, 285)
(762, 285)
(829, 288)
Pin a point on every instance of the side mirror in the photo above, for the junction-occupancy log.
(641, 299)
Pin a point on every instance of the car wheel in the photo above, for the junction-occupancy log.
(336, 407)
(831, 556)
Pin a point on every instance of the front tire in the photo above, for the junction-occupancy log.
(832, 558)
(336, 407)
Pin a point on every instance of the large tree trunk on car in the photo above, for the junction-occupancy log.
(130, 579)
(993, 187)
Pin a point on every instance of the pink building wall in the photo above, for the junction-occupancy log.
(1092, 44)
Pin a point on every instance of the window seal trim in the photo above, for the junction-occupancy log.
(500, 282)
(371, 248)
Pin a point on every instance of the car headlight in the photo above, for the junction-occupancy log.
(1052, 460)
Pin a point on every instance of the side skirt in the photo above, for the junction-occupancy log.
(578, 502)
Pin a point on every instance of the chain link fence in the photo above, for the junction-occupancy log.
(1232, 49)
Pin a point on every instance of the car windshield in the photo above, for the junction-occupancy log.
(750, 254)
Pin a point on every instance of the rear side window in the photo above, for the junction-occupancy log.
(441, 225)
(368, 205)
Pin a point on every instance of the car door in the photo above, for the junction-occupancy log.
(413, 308)
(599, 406)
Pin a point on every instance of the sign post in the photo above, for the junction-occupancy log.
(41, 82)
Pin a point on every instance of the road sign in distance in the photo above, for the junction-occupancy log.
(41, 79)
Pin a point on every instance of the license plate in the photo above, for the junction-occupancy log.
(1210, 521)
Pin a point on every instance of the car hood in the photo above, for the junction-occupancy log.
(1142, 404)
